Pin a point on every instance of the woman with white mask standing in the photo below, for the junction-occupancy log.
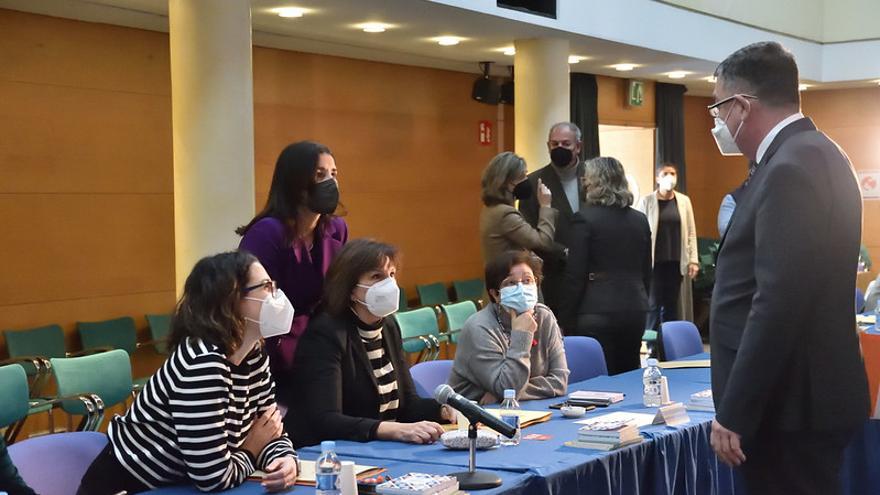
(351, 376)
(512, 343)
(674, 247)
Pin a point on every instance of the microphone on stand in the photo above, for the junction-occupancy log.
(444, 394)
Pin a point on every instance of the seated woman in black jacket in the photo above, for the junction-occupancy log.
(350, 373)
(608, 272)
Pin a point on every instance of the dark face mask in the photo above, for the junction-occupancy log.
(523, 190)
(324, 197)
(561, 157)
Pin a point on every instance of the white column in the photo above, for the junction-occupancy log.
(541, 88)
(212, 102)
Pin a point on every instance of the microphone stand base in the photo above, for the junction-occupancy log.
(477, 480)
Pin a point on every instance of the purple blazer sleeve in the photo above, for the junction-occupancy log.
(265, 240)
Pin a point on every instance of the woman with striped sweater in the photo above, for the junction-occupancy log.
(350, 372)
(208, 416)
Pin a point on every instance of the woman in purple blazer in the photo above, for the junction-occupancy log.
(295, 237)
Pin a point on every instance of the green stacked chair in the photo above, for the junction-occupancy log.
(160, 328)
(118, 333)
(16, 405)
(420, 332)
(470, 290)
(41, 342)
(456, 314)
(106, 374)
(433, 294)
(403, 305)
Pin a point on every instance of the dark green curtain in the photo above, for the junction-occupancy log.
(585, 111)
(670, 128)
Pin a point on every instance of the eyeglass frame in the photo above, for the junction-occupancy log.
(713, 108)
(273, 286)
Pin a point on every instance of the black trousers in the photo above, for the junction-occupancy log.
(106, 476)
(795, 463)
(619, 333)
(665, 287)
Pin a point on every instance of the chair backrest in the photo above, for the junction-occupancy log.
(55, 464)
(15, 393)
(160, 327)
(585, 358)
(118, 333)
(47, 342)
(404, 301)
(422, 321)
(432, 294)
(860, 301)
(680, 339)
(456, 314)
(469, 290)
(429, 374)
(107, 374)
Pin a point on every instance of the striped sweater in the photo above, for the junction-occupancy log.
(188, 423)
(383, 370)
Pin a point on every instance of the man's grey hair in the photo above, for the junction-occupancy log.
(571, 127)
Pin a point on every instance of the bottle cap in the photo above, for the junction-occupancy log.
(328, 446)
(652, 362)
(510, 393)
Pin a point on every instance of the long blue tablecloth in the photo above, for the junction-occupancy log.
(671, 461)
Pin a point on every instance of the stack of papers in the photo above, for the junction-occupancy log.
(526, 418)
(419, 484)
(702, 401)
(306, 476)
(591, 397)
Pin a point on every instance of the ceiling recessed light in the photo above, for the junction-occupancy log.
(573, 59)
(508, 50)
(374, 27)
(804, 87)
(288, 12)
(448, 40)
(712, 79)
(677, 74)
(624, 67)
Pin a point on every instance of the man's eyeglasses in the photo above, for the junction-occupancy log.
(268, 284)
(714, 108)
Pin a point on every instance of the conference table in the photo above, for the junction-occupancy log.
(671, 460)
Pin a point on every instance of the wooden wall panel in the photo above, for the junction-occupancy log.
(851, 118)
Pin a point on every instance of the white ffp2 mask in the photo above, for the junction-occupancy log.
(276, 314)
(726, 142)
(382, 298)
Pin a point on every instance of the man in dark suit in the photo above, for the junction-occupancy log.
(787, 378)
(563, 177)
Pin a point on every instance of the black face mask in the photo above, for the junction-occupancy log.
(523, 190)
(324, 197)
(561, 157)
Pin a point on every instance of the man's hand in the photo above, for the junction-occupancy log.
(726, 444)
(693, 270)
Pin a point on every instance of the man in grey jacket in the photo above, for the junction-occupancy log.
(512, 343)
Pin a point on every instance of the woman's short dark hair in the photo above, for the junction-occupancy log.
(358, 257)
(765, 70)
(605, 183)
(208, 309)
(498, 268)
(502, 169)
(294, 176)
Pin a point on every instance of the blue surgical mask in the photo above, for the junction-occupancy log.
(519, 297)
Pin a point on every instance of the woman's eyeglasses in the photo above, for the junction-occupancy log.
(268, 284)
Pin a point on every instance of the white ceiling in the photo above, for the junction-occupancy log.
(330, 29)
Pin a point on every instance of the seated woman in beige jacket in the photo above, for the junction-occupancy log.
(502, 226)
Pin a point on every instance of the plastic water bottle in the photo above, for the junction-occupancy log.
(651, 380)
(510, 415)
(327, 470)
